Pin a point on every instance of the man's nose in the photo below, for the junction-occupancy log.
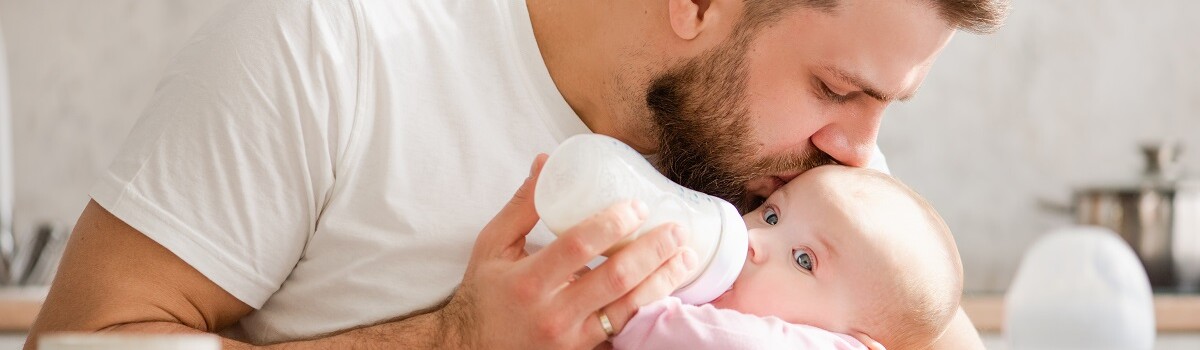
(850, 139)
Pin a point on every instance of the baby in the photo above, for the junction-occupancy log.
(838, 249)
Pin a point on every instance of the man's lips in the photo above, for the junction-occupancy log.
(764, 186)
(788, 177)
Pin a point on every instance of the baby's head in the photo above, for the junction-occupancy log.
(852, 251)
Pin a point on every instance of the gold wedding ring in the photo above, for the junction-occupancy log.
(605, 323)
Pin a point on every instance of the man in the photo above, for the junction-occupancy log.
(321, 174)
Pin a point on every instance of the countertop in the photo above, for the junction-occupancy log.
(1174, 313)
(19, 307)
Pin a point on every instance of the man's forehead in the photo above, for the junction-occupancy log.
(885, 47)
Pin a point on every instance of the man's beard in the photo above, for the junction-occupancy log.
(704, 134)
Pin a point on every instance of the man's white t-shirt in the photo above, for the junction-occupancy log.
(330, 163)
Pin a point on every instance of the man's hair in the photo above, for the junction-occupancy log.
(976, 16)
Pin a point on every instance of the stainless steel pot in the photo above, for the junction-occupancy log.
(1159, 217)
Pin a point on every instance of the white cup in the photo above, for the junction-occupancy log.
(124, 341)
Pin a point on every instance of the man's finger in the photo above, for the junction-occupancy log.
(658, 285)
(580, 272)
(514, 221)
(555, 263)
(629, 268)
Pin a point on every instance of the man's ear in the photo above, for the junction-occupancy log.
(868, 341)
(690, 17)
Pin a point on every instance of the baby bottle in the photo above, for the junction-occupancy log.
(590, 172)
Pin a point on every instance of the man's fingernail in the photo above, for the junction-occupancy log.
(639, 209)
(679, 234)
(689, 259)
(533, 167)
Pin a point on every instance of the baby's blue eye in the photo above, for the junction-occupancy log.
(770, 216)
(803, 259)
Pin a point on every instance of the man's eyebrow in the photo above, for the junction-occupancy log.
(865, 86)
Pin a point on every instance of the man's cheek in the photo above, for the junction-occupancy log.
(782, 127)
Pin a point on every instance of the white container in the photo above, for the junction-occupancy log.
(1080, 288)
(591, 172)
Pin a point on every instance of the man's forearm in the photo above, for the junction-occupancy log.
(113, 278)
(961, 335)
(418, 332)
(424, 331)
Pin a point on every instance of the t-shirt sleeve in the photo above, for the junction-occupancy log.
(670, 324)
(878, 161)
(234, 157)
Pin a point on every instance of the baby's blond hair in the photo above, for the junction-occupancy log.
(925, 297)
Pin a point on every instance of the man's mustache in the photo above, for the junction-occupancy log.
(784, 164)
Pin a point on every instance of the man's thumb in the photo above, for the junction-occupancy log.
(517, 217)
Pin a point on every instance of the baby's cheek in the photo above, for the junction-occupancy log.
(766, 302)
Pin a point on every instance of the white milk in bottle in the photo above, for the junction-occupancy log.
(591, 172)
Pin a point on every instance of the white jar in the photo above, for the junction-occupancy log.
(588, 173)
(1080, 287)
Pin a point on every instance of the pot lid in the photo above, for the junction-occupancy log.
(1163, 172)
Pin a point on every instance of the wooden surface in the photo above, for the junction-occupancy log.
(19, 307)
(1173, 313)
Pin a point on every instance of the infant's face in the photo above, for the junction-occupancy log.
(814, 256)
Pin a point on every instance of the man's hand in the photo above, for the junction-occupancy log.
(512, 300)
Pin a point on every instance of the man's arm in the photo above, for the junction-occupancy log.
(961, 335)
(114, 278)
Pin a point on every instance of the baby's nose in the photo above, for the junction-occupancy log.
(754, 253)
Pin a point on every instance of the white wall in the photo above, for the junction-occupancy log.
(1059, 97)
(81, 73)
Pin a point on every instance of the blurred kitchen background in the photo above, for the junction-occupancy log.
(1061, 97)
(1004, 128)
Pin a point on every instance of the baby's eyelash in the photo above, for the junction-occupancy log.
(769, 213)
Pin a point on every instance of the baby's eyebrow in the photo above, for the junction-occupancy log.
(825, 247)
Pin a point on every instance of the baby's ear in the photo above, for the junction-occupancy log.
(866, 340)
